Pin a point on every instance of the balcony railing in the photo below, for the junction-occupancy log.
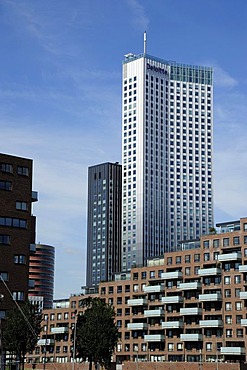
(137, 326)
(172, 299)
(190, 286)
(232, 351)
(154, 288)
(210, 297)
(234, 256)
(154, 338)
(191, 337)
(137, 302)
(172, 325)
(172, 275)
(154, 313)
(191, 311)
(209, 271)
(211, 323)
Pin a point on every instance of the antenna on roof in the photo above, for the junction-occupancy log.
(145, 42)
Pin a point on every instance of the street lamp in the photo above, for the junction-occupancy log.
(74, 340)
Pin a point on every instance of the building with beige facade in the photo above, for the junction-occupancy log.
(190, 306)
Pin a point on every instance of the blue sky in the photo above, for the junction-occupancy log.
(60, 99)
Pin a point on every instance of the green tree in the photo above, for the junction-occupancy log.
(21, 330)
(96, 332)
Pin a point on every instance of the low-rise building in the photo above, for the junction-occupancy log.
(190, 305)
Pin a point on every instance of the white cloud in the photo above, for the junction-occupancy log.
(222, 78)
(141, 19)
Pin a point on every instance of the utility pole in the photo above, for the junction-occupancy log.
(1, 340)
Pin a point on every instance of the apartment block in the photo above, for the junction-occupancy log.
(189, 306)
(17, 229)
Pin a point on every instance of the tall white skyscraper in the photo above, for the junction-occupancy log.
(167, 123)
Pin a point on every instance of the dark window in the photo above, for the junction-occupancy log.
(5, 185)
(4, 239)
(24, 171)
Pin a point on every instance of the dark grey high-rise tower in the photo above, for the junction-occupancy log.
(104, 222)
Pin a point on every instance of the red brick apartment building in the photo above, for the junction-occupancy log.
(17, 230)
(190, 306)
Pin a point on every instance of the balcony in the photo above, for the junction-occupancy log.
(243, 268)
(191, 311)
(137, 302)
(172, 299)
(190, 286)
(172, 325)
(60, 330)
(243, 295)
(210, 297)
(34, 196)
(45, 342)
(137, 326)
(211, 323)
(191, 337)
(154, 313)
(244, 322)
(172, 275)
(232, 351)
(234, 256)
(154, 338)
(209, 271)
(154, 288)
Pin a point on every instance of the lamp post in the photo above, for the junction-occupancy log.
(74, 340)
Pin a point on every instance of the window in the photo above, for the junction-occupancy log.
(227, 293)
(22, 171)
(20, 259)
(236, 240)
(178, 260)
(228, 333)
(59, 316)
(179, 346)
(237, 292)
(197, 258)
(18, 296)
(6, 167)
(2, 314)
(119, 300)
(187, 258)
(15, 222)
(5, 185)
(227, 280)
(187, 271)
(110, 289)
(237, 279)
(228, 306)
(239, 333)
(245, 227)
(152, 274)
(228, 319)
(4, 276)
(170, 347)
(4, 239)
(238, 306)
(119, 289)
(208, 346)
(216, 243)
(206, 256)
(169, 260)
(22, 206)
(238, 319)
(144, 275)
(52, 316)
(206, 244)
(119, 323)
(225, 242)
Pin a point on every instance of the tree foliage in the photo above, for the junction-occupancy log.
(96, 332)
(21, 331)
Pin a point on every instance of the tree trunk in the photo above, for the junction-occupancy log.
(90, 364)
